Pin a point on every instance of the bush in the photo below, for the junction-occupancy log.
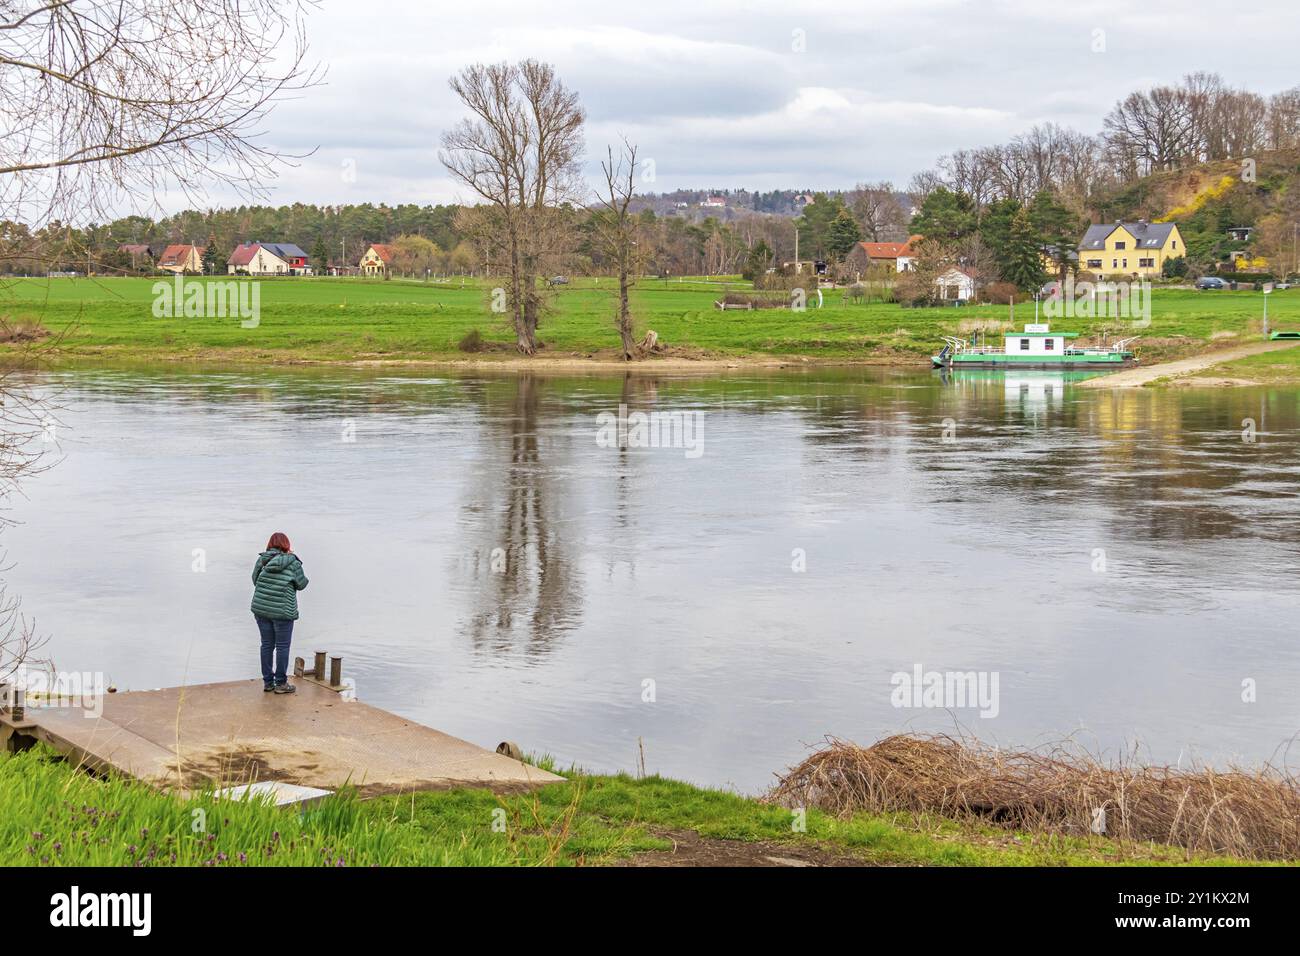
(1229, 276)
(1174, 268)
(1003, 293)
(471, 341)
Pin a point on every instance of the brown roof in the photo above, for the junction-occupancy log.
(385, 252)
(135, 249)
(885, 250)
(173, 254)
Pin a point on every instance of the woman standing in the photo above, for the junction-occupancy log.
(277, 579)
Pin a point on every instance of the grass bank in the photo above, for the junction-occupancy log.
(52, 815)
(354, 320)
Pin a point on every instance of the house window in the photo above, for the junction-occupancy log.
(1146, 263)
(1094, 263)
(1114, 263)
(1126, 263)
(1119, 246)
(1049, 345)
(1175, 243)
(1024, 345)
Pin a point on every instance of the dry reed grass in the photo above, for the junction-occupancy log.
(1060, 789)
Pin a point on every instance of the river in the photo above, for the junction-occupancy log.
(1121, 567)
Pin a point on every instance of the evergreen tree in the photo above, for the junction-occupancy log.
(945, 216)
(1024, 254)
(319, 257)
(842, 235)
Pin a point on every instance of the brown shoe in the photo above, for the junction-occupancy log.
(285, 689)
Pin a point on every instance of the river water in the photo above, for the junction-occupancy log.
(1117, 567)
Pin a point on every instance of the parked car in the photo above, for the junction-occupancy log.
(1210, 282)
(559, 280)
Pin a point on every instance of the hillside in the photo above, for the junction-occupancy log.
(1209, 199)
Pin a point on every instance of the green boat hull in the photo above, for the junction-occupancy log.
(1112, 360)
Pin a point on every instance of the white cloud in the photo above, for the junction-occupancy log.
(718, 96)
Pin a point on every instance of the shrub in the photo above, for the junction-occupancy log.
(1003, 293)
(471, 341)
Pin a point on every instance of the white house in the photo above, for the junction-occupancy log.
(255, 259)
(956, 285)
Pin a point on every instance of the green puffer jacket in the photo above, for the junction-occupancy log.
(277, 579)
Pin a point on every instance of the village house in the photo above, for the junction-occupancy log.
(137, 250)
(181, 259)
(1057, 260)
(955, 285)
(267, 258)
(897, 256)
(375, 260)
(714, 202)
(1137, 248)
(251, 258)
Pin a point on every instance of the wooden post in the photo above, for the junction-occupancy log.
(336, 671)
(319, 672)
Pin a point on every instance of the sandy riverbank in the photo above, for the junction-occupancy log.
(1177, 371)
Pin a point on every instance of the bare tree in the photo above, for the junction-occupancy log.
(1283, 129)
(518, 152)
(877, 209)
(616, 233)
(106, 100)
(1152, 130)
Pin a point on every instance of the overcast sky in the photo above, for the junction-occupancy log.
(755, 94)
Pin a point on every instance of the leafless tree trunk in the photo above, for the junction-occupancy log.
(616, 232)
(518, 153)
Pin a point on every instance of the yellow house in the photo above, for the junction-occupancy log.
(375, 260)
(1138, 248)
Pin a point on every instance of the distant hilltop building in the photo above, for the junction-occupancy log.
(714, 202)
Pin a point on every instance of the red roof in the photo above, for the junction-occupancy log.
(243, 254)
(383, 251)
(174, 254)
(885, 250)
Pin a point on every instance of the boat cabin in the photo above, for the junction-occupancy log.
(1037, 340)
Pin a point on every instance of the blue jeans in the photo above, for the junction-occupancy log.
(276, 636)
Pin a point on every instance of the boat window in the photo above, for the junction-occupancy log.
(1049, 344)
(1024, 345)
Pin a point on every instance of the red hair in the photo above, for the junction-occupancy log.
(279, 540)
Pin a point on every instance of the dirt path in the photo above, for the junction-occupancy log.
(1141, 375)
(691, 849)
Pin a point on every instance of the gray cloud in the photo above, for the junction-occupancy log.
(719, 93)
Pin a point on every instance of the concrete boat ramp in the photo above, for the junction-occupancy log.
(233, 734)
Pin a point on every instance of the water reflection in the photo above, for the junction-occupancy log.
(526, 585)
(488, 569)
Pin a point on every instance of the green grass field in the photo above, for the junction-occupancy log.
(54, 815)
(355, 320)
